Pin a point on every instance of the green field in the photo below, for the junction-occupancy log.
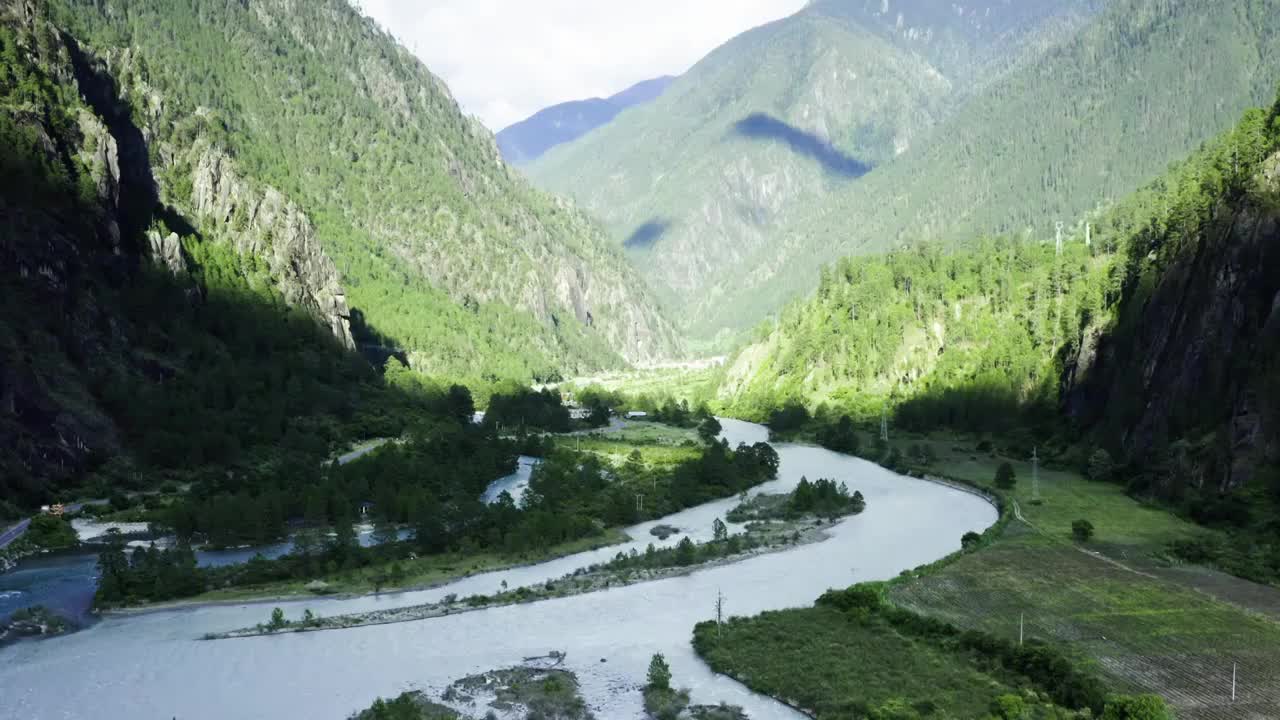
(819, 660)
(660, 446)
(1117, 601)
(1116, 604)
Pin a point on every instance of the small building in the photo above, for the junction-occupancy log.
(637, 415)
(579, 413)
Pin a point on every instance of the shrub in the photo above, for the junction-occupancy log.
(1101, 467)
(659, 673)
(1006, 478)
(859, 597)
(1082, 530)
(1009, 707)
(1135, 707)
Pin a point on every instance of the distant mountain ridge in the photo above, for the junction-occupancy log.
(975, 117)
(748, 142)
(529, 139)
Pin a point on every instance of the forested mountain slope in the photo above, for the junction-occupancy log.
(1156, 341)
(443, 250)
(527, 140)
(143, 331)
(698, 184)
(1081, 121)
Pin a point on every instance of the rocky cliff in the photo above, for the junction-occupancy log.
(93, 191)
(1188, 381)
(445, 251)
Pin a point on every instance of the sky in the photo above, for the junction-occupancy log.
(506, 59)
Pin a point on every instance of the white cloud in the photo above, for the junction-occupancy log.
(506, 59)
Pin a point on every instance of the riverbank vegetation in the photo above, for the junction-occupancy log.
(855, 656)
(526, 692)
(624, 569)
(823, 498)
(34, 621)
(573, 501)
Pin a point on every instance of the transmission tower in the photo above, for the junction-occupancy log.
(884, 425)
(1058, 243)
(1088, 234)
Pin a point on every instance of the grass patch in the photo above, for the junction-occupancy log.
(618, 450)
(819, 660)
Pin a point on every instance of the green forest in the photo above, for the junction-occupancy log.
(440, 248)
(998, 337)
(429, 486)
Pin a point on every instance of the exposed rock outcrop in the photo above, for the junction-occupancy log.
(1197, 358)
(265, 224)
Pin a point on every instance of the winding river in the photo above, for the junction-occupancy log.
(152, 665)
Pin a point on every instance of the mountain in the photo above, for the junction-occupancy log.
(1152, 334)
(142, 338)
(702, 180)
(444, 252)
(1036, 122)
(527, 140)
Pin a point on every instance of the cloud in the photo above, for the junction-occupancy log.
(506, 59)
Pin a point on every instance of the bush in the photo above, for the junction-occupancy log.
(659, 673)
(1101, 467)
(970, 540)
(1006, 478)
(1135, 707)
(1009, 707)
(1082, 530)
(859, 597)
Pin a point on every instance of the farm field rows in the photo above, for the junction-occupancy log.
(1115, 602)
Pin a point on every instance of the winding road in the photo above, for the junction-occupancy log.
(13, 533)
(16, 531)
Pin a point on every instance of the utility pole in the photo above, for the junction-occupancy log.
(1233, 681)
(1088, 234)
(884, 425)
(1021, 621)
(1058, 243)
(1035, 474)
(720, 616)
(639, 502)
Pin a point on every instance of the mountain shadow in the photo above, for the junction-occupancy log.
(761, 126)
(647, 234)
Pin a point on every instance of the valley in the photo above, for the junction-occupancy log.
(383, 659)
(896, 360)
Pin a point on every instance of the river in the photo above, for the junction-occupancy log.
(153, 666)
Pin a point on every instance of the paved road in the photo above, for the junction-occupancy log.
(16, 531)
(362, 451)
(13, 533)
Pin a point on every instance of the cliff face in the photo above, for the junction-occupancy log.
(1188, 381)
(82, 215)
(433, 234)
(267, 225)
